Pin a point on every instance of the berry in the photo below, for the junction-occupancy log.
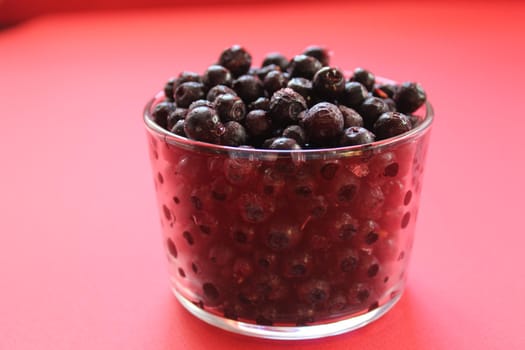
(263, 71)
(178, 128)
(201, 103)
(329, 82)
(304, 87)
(323, 123)
(284, 143)
(385, 90)
(277, 59)
(258, 123)
(203, 124)
(260, 103)
(364, 77)
(371, 109)
(356, 135)
(175, 116)
(351, 117)
(295, 132)
(304, 66)
(161, 113)
(236, 59)
(391, 124)
(354, 94)
(217, 75)
(285, 106)
(318, 52)
(248, 87)
(234, 134)
(274, 81)
(188, 92)
(217, 90)
(230, 107)
(409, 97)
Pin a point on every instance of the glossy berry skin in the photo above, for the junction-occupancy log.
(391, 124)
(274, 81)
(260, 103)
(178, 128)
(258, 123)
(323, 123)
(277, 59)
(263, 71)
(169, 89)
(304, 87)
(217, 75)
(329, 83)
(356, 135)
(161, 113)
(236, 59)
(234, 134)
(304, 66)
(364, 77)
(318, 52)
(284, 143)
(203, 124)
(371, 109)
(200, 103)
(219, 90)
(188, 92)
(249, 88)
(230, 107)
(285, 106)
(351, 117)
(175, 116)
(295, 132)
(387, 90)
(353, 95)
(409, 97)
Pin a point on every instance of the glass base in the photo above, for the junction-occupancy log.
(292, 332)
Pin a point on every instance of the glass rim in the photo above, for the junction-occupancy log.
(187, 143)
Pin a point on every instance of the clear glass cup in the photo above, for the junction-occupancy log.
(288, 244)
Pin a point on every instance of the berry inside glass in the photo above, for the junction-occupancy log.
(290, 218)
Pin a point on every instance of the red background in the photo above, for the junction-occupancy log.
(81, 265)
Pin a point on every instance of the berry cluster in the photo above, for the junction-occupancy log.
(285, 104)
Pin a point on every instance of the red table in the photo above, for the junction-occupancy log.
(81, 265)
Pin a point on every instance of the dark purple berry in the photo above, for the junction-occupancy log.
(178, 128)
(285, 106)
(188, 92)
(323, 124)
(391, 124)
(258, 123)
(304, 66)
(201, 103)
(284, 143)
(356, 135)
(295, 132)
(353, 95)
(260, 103)
(391, 104)
(385, 90)
(329, 82)
(234, 134)
(350, 116)
(203, 124)
(364, 77)
(274, 81)
(161, 113)
(219, 90)
(318, 52)
(263, 71)
(187, 76)
(248, 87)
(236, 59)
(217, 75)
(169, 89)
(175, 116)
(230, 107)
(304, 87)
(409, 97)
(371, 109)
(277, 59)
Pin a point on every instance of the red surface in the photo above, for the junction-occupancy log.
(81, 265)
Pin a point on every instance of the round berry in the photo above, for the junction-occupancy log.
(385, 90)
(390, 124)
(260, 103)
(161, 113)
(236, 59)
(364, 77)
(318, 52)
(203, 124)
(354, 94)
(329, 82)
(371, 109)
(230, 107)
(304, 87)
(409, 97)
(218, 90)
(284, 143)
(323, 123)
(175, 116)
(351, 117)
(285, 106)
(216, 75)
(295, 132)
(234, 134)
(248, 87)
(304, 66)
(356, 135)
(277, 59)
(201, 103)
(263, 71)
(274, 81)
(258, 123)
(178, 128)
(188, 92)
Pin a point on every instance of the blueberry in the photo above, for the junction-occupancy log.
(323, 124)
(354, 94)
(356, 135)
(203, 124)
(236, 59)
(169, 89)
(178, 128)
(295, 132)
(201, 103)
(285, 106)
(274, 81)
(329, 83)
(230, 107)
(318, 52)
(248, 87)
(351, 117)
(234, 134)
(263, 71)
(161, 113)
(409, 97)
(219, 90)
(385, 90)
(391, 124)
(175, 116)
(217, 75)
(188, 92)
(304, 87)
(258, 123)
(277, 59)
(364, 77)
(260, 103)
(304, 66)
(284, 143)
(371, 109)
